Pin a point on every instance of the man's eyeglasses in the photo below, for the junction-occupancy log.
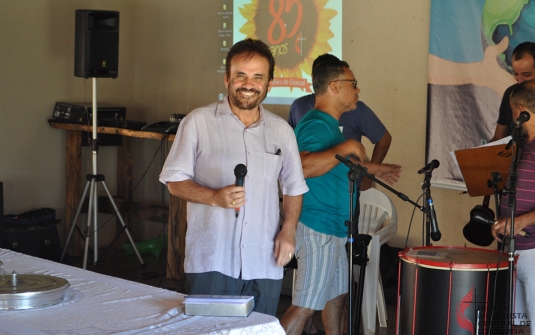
(352, 81)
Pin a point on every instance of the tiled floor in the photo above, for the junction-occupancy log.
(117, 263)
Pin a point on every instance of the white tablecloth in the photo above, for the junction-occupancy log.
(100, 304)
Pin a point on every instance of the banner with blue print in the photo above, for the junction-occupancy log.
(470, 48)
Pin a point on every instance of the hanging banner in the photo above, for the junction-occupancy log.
(470, 48)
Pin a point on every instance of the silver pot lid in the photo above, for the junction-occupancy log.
(25, 291)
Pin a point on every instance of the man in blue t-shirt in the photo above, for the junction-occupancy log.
(322, 271)
(358, 122)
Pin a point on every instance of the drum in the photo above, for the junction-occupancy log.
(452, 290)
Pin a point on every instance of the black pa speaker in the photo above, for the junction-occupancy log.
(96, 43)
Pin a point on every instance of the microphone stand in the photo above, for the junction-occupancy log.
(519, 139)
(357, 250)
(364, 172)
(495, 178)
(355, 172)
(426, 188)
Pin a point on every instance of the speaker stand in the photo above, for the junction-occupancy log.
(92, 212)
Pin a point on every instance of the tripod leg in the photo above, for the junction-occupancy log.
(95, 223)
(360, 294)
(92, 195)
(350, 287)
(74, 221)
(361, 259)
(122, 222)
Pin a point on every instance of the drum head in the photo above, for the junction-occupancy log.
(455, 258)
(31, 291)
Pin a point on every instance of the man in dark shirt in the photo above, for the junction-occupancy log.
(523, 64)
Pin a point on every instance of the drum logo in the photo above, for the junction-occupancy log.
(462, 320)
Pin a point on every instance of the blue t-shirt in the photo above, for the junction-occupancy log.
(326, 205)
(359, 122)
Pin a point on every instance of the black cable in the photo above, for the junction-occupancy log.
(494, 291)
(150, 163)
(163, 155)
(410, 223)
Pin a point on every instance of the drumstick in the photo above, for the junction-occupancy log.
(522, 232)
(481, 218)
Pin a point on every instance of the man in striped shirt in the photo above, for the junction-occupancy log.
(523, 99)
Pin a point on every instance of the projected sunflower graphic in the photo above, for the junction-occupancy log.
(297, 31)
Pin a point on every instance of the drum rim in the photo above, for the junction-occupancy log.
(451, 265)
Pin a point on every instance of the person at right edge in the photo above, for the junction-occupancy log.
(321, 236)
(523, 64)
(522, 99)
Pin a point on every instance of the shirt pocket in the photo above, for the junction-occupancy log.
(272, 167)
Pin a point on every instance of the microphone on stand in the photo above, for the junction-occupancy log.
(429, 166)
(481, 218)
(523, 117)
(518, 135)
(435, 233)
(240, 171)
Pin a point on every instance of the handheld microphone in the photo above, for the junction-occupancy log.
(435, 233)
(429, 166)
(523, 117)
(481, 218)
(240, 171)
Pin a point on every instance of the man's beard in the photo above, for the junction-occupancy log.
(247, 103)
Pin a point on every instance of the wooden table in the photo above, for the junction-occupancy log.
(175, 214)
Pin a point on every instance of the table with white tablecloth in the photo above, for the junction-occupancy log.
(101, 304)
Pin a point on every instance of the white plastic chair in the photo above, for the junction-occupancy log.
(378, 218)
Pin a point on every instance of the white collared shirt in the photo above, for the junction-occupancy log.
(209, 143)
